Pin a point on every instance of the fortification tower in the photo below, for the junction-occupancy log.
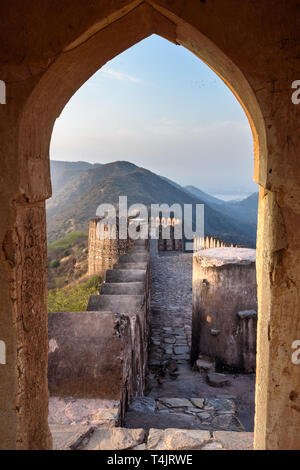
(105, 245)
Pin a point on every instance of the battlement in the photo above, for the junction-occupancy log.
(105, 245)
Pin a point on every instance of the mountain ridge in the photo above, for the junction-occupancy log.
(73, 206)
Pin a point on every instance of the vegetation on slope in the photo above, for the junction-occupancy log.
(69, 287)
(73, 298)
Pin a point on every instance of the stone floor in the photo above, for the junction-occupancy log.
(169, 371)
(195, 413)
(80, 437)
(84, 411)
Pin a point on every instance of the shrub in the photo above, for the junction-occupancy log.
(60, 281)
(94, 282)
(54, 263)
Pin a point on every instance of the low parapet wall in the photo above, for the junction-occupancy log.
(89, 355)
(102, 353)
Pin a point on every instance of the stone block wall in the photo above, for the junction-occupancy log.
(103, 253)
(224, 307)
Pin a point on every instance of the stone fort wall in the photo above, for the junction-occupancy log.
(104, 250)
(172, 243)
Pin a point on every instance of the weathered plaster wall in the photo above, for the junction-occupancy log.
(47, 53)
(90, 355)
(221, 289)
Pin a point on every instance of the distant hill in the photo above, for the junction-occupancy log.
(243, 211)
(204, 196)
(81, 181)
(63, 172)
(73, 205)
(246, 209)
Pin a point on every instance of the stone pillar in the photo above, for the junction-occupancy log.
(277, 396)
(224, 307)
(25, 184)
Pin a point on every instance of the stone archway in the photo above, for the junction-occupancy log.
(33, 103)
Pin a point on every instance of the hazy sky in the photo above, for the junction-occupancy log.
(160, 107)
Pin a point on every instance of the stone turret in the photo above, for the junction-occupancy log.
(105, 246)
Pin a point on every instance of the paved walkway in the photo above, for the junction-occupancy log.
(169, 371)
(171, 307)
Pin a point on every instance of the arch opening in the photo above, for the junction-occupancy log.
(168, 221)
(78, 62)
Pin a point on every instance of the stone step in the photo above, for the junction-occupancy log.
(91, 438)
(125, 265)
(126, 275)
(125, 288)
(84, 411)
(117, 303)
(141, 243)
(137, 248)
(187, 439)
(135, 257)
(70, 437)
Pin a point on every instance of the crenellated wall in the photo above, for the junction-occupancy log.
(172, 243)
(105, 246)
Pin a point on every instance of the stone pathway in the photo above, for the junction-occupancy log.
(169, 370)
(171, 311)
(182, 413)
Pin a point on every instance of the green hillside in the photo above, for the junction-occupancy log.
(71, 209)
